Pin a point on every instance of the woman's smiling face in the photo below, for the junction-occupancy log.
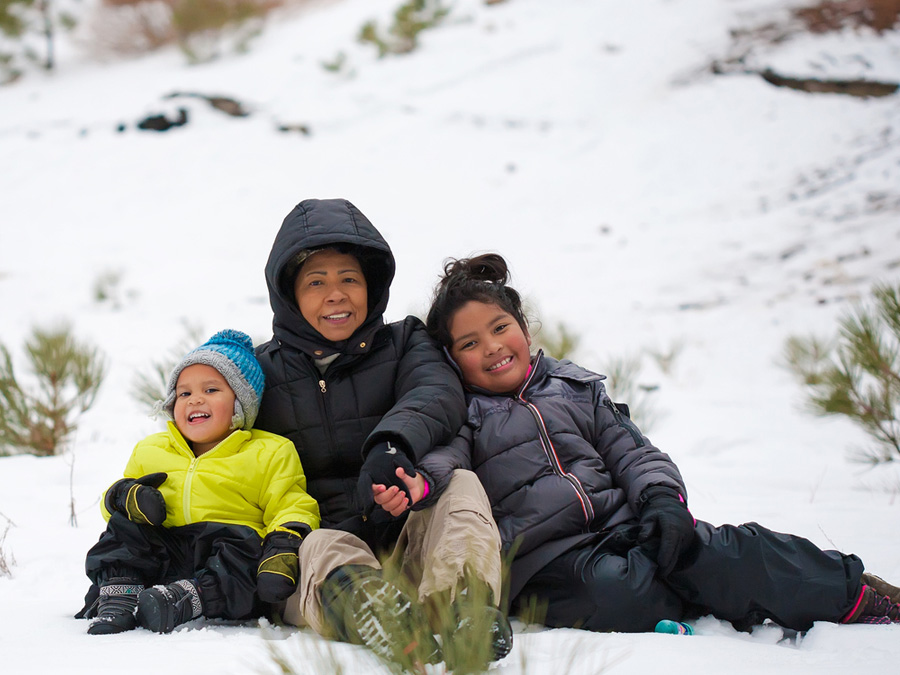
(490, 347)
(331, 294)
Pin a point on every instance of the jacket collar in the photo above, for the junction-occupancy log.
(538, 370)
(542, 367)
(230, 445)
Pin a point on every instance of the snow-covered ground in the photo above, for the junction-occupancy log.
(643, 201)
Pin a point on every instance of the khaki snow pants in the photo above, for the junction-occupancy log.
(436, 547)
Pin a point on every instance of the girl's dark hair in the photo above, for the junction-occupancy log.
(483, 279)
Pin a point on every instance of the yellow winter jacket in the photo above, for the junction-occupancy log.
(251, 478)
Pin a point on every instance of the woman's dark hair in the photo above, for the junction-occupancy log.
(483, 279)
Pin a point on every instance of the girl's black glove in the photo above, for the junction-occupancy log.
(380, 468)
(279, 570)
(138, 499)
(666, 526)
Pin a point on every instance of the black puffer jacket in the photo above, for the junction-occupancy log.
(559, 462)
(388, 382)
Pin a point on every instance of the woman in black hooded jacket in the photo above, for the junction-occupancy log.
(361, 400)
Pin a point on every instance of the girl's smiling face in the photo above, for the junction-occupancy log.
(490, 347)
(204, 406)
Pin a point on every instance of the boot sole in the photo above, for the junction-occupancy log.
(101, 627)
(387, 623)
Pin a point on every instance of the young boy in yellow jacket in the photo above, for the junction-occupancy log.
(211, 510)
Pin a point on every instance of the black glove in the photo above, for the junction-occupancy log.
(666, 526)
(277, 574)
(380, 468)
(138, 499)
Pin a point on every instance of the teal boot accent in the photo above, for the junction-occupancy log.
(674, 627)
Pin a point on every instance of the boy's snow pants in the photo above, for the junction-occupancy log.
(742, 574)
(222, 558)
(437, 547)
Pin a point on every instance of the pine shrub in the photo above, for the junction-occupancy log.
(204, 26)
(623, 384)
(203, 29)
(560, 342)
(463, 655)
(29, 29)
(410, 19)
(6, 560)
(856, 374)
(68, 375)
(623, 372)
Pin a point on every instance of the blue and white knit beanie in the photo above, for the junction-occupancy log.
(231, 353)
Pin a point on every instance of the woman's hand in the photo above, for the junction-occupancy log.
(393, 500)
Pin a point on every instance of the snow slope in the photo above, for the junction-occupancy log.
(643, 201)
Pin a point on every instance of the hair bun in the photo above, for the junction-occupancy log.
(488, 267)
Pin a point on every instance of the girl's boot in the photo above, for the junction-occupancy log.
(873, 607)
(881, 586)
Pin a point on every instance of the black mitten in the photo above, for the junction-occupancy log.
(666, 526)
(380, 468)
(139, 499)
(279, 570)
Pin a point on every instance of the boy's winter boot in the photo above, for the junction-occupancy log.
(873, 607)
(881, 586)
(163, 608)
(366, 609)
(116, 607)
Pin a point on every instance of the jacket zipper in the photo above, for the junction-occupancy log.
(186, 497)
(550, 452)
(326, 413)
(323, 390)
(638, 441)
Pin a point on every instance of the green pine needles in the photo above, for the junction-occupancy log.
(67, 374)
(558, 341)
(857, 373)
(6, 563)
(410, 19)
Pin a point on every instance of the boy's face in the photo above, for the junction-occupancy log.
(331, 294)
(490, 347)
(204, 406)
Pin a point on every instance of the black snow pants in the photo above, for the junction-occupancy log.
(742, 574)
(222, 558)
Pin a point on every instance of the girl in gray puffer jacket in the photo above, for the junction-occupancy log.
(595, 516)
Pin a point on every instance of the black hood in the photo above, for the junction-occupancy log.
(317, 223)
